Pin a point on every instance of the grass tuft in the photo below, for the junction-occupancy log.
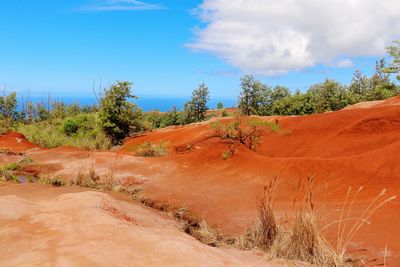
(148, 149)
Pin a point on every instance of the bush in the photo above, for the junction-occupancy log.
(54, 181)
(82, 131)
(118, 116)
(70, 127)
(247, 132)
(148, 149)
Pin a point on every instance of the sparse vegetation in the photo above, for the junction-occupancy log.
(302, 239)
(81, 131)
(245, 131)
(49, 179)
(88, 179)
(148, 149)
(226, 155)
(10, 171)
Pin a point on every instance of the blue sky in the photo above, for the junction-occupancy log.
(165, 47)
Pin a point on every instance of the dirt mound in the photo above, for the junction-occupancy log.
(15, 142)
(69, 228)
(394, 101)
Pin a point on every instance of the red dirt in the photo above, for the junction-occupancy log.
(16, 142)
(349, 148)
(44, 226)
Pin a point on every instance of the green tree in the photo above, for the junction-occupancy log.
(394, 52)
(328, 96)
(381, 87)
(196, 108)
(254, 96)
(172, 117)
(220, 105)
(118, 116)
(8, 106)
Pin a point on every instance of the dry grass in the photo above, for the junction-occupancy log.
(206, 234)
(52, 180)
(301, 239)
(348, 225)
(88, 179)
(148, 149)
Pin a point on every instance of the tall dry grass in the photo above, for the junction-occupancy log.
(301, 239)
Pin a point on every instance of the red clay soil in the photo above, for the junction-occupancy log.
(355, 147)
(44, 226)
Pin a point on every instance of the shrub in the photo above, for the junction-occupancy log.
(247, 132)
(148, 149)
(89, 179)
(81, 131)
(70, 127)
(52, 180)
(118, 116)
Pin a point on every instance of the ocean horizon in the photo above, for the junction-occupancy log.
(146, 103)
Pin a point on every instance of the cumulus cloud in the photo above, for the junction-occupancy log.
(120, 5)
(277, 36)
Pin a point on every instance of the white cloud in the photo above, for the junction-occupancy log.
(344, 63)
(120, 5)
(276, 36)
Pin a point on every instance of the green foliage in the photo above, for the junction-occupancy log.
(8, 106)
(81, 131)
(224, 113)
(118, 116)
(253, 97)
(70, 127)
(196, 109)
(8, 113)
(259, 99)
(394, 52)
(148, 149)
(220, 105)
(12, 166)
(247, 132)
(328, 96)
(4, 126)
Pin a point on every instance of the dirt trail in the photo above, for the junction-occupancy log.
(349, 148)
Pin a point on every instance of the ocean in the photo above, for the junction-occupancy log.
(147, 103)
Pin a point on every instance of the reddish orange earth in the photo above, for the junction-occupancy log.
(42, 226)
(353, 148)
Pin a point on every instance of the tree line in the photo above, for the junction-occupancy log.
(116, 115)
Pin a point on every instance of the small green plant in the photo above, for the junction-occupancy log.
(224, 113)
(226, 155)
(12, 166)
(148, 149)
